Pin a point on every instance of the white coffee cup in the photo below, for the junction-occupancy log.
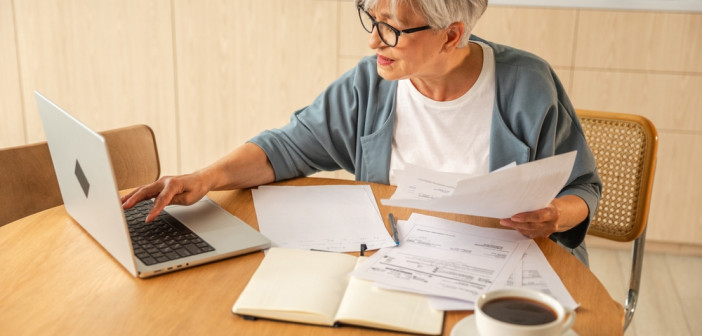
(509, 312)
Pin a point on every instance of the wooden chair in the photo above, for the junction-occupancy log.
(625, 148)
(28, 182)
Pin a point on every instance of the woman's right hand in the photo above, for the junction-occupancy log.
(181, 190)
(247, 166)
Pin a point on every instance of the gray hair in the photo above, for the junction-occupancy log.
(441, 13)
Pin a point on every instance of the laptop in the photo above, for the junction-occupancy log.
(86, 179)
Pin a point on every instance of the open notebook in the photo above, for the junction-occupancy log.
(316, 287)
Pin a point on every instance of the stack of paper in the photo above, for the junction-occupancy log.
(455, 262)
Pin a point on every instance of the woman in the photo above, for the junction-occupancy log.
(432, 96)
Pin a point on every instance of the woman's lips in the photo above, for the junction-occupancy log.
(382, 60)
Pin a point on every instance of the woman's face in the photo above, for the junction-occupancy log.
(415, 54)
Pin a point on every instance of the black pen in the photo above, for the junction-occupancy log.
(393, 226)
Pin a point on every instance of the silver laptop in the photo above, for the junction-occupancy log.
(84, 171)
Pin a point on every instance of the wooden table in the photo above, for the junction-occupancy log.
(56, 280)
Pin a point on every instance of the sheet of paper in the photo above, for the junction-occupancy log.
(335, 218)
(499, 194)
(446, 258)
(538, 275)
(412, 185)
(535, 273)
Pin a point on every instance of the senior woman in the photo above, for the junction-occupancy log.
(432, 96)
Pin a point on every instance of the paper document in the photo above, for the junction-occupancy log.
(499, 194)
(335, 218)
(537, 274)
(534, 272)
(446, 258)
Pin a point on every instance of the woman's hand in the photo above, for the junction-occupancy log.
(560, 215)
(245, 167)
(181, 190)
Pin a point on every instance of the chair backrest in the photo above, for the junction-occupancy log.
(625, 148)
(28, 182)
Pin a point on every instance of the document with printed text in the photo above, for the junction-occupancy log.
(445, 258)
(534, 272)
(499, 194)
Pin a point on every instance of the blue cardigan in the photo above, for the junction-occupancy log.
(350, 126)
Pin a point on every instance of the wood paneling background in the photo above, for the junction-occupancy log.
(245, 66)
(207, 75)
(109, 63)
(12, 125)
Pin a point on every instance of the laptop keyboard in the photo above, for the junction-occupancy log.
(164, 239)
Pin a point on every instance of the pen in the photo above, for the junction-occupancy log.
(364, 247)
(393, 226)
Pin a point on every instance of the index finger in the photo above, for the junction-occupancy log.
(142, 193)
(163, 198)
(126, 198)
(160, 203)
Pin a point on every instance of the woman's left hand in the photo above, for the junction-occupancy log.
(534, 224)
(560, 215)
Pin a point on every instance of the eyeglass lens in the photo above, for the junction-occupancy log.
(385, 32)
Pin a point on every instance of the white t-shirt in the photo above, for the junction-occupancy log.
(448, 136)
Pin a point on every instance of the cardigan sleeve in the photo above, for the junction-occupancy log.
(317, 137)
(328, 134)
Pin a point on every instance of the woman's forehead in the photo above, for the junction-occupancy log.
(400, 11)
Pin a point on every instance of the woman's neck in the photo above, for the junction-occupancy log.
(458, 73)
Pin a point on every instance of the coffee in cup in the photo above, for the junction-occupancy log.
(521, 312)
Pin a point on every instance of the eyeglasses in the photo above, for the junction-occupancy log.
(387, 33)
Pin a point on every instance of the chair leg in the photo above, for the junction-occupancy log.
(635, 278)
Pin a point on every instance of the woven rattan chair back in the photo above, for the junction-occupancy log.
(625, 151)
(625, 148)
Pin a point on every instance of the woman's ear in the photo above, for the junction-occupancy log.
(454, 34)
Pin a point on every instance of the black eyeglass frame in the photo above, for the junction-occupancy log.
(397, 32)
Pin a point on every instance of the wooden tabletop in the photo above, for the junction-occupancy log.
(55, 280)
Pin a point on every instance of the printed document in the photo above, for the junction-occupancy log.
(534, 272)
(537, 274)
(336, 218)
(499, 194)
(446, 258)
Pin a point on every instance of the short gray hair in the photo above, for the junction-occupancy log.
(441, 13)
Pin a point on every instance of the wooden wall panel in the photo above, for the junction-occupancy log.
(109, 63)
(532, 29)
(650, 41)
(12, 125)
(246, 66)
(674, 104)
(675, 211)
(671, 101)
(353, 39)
